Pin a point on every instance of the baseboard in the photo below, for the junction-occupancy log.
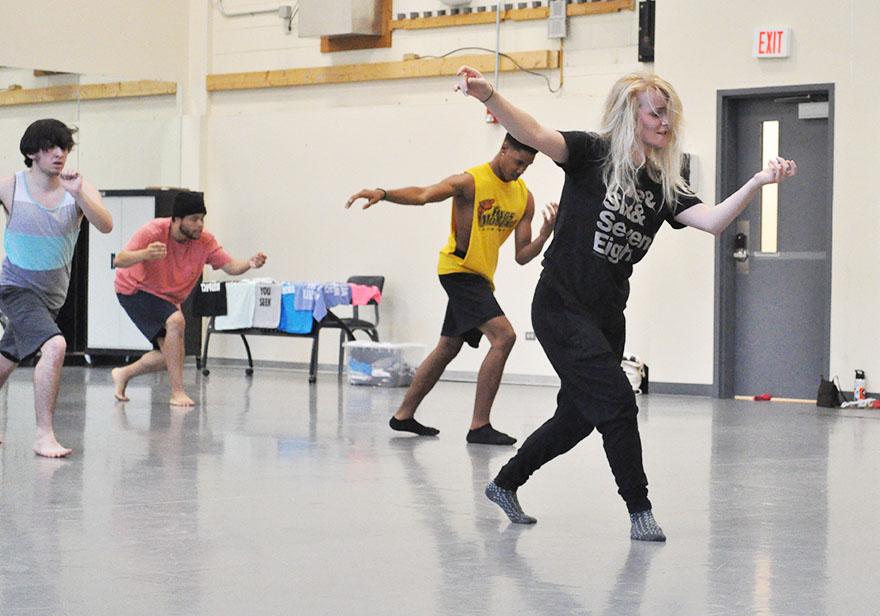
(679, 389)
(682, 389)
(467, 376)
(295, 366)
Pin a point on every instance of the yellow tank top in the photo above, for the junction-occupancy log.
(498, 208)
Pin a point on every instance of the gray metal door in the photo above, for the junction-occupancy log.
(774, 260)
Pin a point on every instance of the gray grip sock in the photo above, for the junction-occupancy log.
(645, 527)
(506, 499)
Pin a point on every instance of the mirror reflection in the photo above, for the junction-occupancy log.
(129, 131)
(128, 139)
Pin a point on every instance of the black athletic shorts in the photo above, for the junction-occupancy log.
(148, 312)
(471, 303)
(29, 324)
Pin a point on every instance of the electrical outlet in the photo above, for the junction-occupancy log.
(285, 12)
(530, 335)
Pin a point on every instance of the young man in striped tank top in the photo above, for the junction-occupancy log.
(44, 207)
(489, 202)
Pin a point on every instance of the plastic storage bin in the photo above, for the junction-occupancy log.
(382, 364)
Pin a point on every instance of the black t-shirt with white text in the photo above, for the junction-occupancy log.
(599, 236)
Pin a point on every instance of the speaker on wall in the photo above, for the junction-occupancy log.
(646, 30)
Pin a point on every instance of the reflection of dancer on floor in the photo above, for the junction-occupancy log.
(45, 206)
(155, 273)
(620, 186)
(460, 550)
(489, 202)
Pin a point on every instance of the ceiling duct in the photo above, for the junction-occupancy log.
(340, 17)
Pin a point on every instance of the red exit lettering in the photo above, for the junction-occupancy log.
(770, 42)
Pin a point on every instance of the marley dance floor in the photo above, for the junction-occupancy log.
(276, 497)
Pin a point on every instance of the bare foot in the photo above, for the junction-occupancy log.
(48, 447)
(120, 384)
(181, 399)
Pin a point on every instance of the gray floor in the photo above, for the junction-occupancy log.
(273, 497)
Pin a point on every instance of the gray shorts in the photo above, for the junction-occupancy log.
(29, 323)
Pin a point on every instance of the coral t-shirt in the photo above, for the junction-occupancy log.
(173, 277)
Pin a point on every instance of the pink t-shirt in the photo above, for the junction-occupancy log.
(173, 277)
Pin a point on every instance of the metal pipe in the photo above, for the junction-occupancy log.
(497, 42)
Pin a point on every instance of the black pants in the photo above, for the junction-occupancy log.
(595, 393)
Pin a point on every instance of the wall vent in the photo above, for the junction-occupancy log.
(340, 18)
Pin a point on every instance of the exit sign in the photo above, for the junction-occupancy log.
(772, 43)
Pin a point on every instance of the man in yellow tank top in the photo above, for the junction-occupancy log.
(489, 202)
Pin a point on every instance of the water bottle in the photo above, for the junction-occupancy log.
(859, 385)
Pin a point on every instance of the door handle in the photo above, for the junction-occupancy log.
(741, 247)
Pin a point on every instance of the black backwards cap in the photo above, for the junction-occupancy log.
(187, 203)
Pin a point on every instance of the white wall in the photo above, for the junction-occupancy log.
(318, 145)
(340, 138)
(277, 165)
(710, 49)
(126, 143)
(138, 38)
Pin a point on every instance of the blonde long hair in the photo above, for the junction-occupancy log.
(620, 129)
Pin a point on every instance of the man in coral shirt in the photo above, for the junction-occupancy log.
(155, 273)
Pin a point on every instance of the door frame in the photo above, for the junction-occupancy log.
(725, 292)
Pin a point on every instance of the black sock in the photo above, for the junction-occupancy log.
(411, 425)
(487, 435)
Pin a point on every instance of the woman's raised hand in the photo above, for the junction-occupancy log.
(472, 83)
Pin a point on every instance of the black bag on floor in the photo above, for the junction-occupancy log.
(829, 394)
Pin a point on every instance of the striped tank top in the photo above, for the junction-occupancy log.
(39, 243)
